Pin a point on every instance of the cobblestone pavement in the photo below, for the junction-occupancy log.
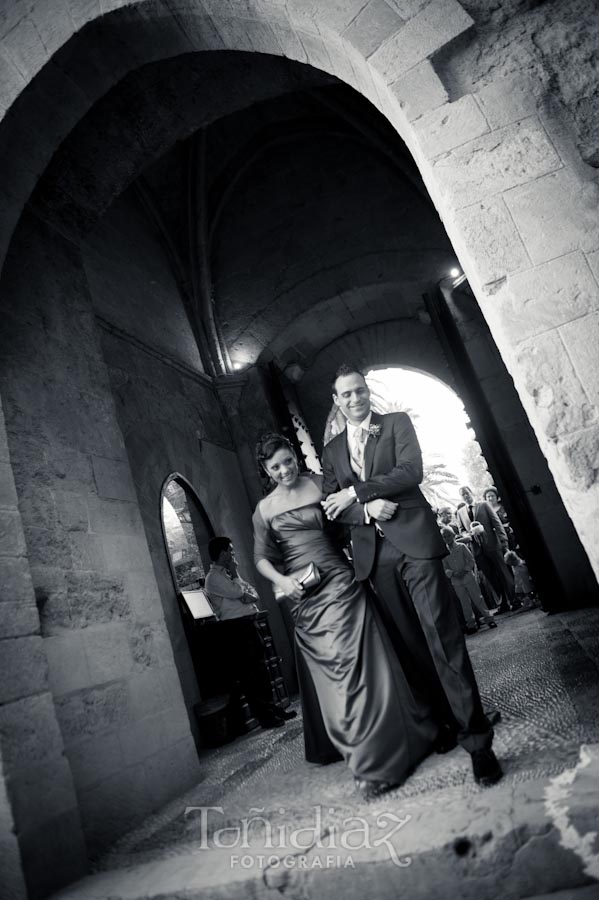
(541, 672)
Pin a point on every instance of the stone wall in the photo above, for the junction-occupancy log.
(171, 419)
(40, 827)
(115, 689)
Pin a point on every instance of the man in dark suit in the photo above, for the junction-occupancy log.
(371, 474)
(489, 546)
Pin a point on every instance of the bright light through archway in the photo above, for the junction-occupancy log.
(451, 456)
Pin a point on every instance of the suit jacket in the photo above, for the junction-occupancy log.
(393, 471)
(495, 538)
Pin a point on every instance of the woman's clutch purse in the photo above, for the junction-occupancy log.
(308, 577)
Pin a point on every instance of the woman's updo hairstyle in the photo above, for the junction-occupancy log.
(268, 445)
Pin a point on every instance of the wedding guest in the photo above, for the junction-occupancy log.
(492, 498)
(372, 474)
(525, 589)
(234, 601)
(459, 567)
(357, 703)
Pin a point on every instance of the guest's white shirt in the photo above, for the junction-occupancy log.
(231, 598)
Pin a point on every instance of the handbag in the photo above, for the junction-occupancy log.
(308, 577)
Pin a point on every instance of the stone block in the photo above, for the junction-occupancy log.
(150, 645)
(23, 668)
(407, 9)
(114, 517)
(71, 510)
(175, 724)
(290, 43)
(372, 26)
(148, 694)
(114, 805)
(113, 479)
(8, 494)
(67, 663)
(12, 541)
(579, 455)
(125, 552)
(419, 90)
(11, 82)
(556, 214)
(86, 551)
(549, 379)
(547, 296)
(18, 619)
(29, 732)
(449, 126)
(95, 759)
(316, 51)
(497, 248)
(433, 27)
(581, 338)
(15, 580)
(495, 163)
(37, 505)
(171, 686)
(47, 547)
(95, 599)
(72, 468)
(11, 869)
(54, 854)
(509, 99)
(173, 770)
(41, 791)
(108, 652)
(143, 738)
(593, 261)
(93, 710)
(143, 596)
(234, 34)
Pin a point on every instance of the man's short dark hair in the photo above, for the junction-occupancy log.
(343, 370)
(218, 545)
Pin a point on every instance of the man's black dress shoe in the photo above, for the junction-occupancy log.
(446, 739)
(271, 722)
(486, 768)
(284, 714)
(493, 715)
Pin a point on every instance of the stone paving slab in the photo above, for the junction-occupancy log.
(439, 835)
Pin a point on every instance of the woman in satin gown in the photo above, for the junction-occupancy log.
(357, 703)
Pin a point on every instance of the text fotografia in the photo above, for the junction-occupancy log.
(330, 844)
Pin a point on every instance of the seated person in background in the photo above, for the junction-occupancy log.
(459, 568)
(233, 600)
(524, 586)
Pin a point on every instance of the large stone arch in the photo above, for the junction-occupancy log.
(500, 169)
(484, 163)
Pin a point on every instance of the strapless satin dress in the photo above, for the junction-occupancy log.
(356, 700)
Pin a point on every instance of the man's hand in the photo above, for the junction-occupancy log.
(335, 504)
(381, 510)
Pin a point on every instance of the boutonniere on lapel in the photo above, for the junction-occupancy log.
(374, 431)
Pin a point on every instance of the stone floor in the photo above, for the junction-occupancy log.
(438, 836)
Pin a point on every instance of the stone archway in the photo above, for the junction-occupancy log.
(489, 161)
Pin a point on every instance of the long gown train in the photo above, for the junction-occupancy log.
(357, 703)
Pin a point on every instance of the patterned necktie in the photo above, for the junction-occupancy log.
(357, 450)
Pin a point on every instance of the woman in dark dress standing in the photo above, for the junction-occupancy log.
(356, 701)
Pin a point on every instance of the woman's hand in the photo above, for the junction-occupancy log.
(291, 587)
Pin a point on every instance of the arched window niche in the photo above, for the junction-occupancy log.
(187, 531)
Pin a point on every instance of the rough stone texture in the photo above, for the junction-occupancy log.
(549, 46)
(430, 29)
(581, 339)
(23, 668)
(375, 24)
(547, 296)
(488, 227)
(419, 90)
(551, 381)
(556, 215)
(495, 162)
(449, 126)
